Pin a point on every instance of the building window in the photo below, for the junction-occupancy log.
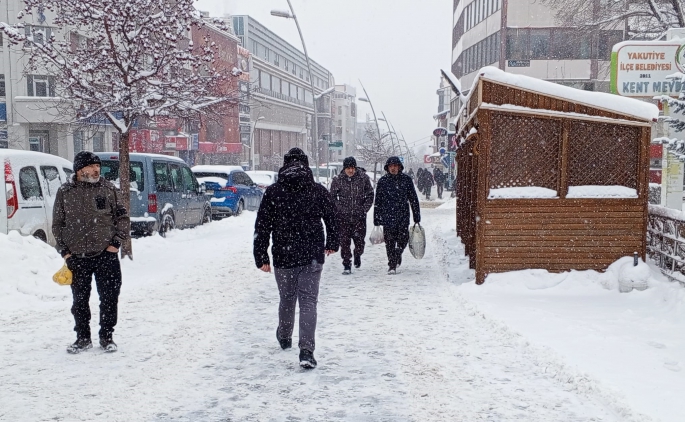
(2, 85)
(276, 84)
(264, 80)
(253, 46)
(99, 142)
(285, 88)
(539, 43)
(339, 110)
(285, 64)
(78, 142)
(308, 98)
(517, 44)
(40, 86)
(276, 59)
(39, 33)
(606, 41)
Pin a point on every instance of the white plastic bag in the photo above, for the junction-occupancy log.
(376, 237)
(417, 241)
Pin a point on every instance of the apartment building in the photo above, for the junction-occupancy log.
(281, 99)
(31, 116)
(345, 122)
(522, 36)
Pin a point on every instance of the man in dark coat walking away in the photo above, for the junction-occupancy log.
(394, 194)
(291, 213)
(427, 183)
(352, 195)
(89, 224)
(439, 177)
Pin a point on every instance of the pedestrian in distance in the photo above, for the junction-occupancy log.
(410, 173)
(352, 195)
(419, 179)
(427, 183)
(89, 224)
(395, 193)
(439, 177)
(291, 213)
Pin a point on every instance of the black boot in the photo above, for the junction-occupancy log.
(307, 360)
(79, 346)
(285, 343)
(347, 269)
(107, 344)
(357, 261)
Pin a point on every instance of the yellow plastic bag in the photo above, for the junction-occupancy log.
(63, 276)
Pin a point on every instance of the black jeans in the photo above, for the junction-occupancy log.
(107, 271)
(440, 186)
(351, 231)
(396, 239)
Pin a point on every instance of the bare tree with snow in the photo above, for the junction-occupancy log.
(378, 150)
(642, 19)
(123, 60)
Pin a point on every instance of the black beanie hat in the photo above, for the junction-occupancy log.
(296, 154)
(349, 162)
(85, 159)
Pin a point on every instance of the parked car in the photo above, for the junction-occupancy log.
(263, 178)
(31, 183)
(231, 189)
(165, 194)
(326, 175)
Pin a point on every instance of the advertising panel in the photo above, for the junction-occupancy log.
(645, 68)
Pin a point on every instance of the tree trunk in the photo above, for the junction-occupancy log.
(125, 189)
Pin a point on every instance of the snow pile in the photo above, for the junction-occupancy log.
(522, 192)
(26, 277)
(592, 191)
(450, 204)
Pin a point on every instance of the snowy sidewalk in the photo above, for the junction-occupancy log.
(197, 343)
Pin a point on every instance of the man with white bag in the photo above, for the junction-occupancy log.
(394, 194)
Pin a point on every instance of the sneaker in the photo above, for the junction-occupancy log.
(108, 345)
(286, 343)
(79, 346)
(347, 270)
(307, 360)
(357, 262)
(392, 271)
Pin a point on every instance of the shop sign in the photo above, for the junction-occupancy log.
(645, 68)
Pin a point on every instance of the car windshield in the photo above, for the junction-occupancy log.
(202, 174)
(109, 169)
(264, 179)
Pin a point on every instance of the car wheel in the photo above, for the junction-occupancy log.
(167, 224)
(240, 208)
(206, 216)
(40, 235)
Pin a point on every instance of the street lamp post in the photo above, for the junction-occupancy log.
(291, 15)
(392, 142)
(252, 142)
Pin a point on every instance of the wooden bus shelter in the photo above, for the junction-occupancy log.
(550, 176)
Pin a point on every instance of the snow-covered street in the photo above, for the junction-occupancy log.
(197, 342)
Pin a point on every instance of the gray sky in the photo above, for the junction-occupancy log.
(396, 48)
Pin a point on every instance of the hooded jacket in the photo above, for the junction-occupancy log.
(352, 196)
(88, 217)
(394, 194)
(290, 213)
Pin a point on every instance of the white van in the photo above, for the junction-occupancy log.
(31, 180)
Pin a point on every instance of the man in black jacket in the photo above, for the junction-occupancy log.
(394, 194)
(291, 211)
(352, 195)
(439, 177)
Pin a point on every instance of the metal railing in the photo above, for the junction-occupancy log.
(666, 241)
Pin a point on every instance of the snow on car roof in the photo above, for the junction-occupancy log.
(611, 102)
(106, 155)
(216, 169)
(22, 157)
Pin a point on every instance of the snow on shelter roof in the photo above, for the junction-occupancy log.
(610, 102)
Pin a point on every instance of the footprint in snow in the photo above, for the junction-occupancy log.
(657, 345)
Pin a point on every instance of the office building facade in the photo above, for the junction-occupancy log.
(523, 37)
(345, 122)
(281, 100)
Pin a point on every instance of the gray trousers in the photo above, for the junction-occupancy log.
(300, 283)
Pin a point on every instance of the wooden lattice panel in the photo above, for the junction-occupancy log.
(603, 154)
(524, 151)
